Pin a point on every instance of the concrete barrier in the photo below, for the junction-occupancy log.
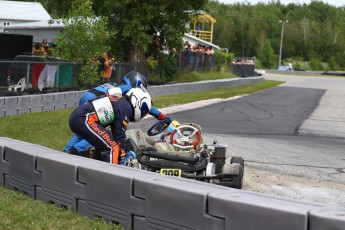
(15, 105)
(139, 199)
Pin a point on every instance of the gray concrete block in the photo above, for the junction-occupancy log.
(48, 108)
(59, 178)
(10, 105)
(109, 193)
(10, 112)
(2, 104)
(35, 103)
(17, 164)
(58, 106)
(3, 166)
(23, 110)
(139, 223)
(47, 100)
(327, 218)
(249, 210)
(36, 109)
(59, 98)
(21, 174)
(23, 102)
(78, 95)
(177, 203)
(72, 99)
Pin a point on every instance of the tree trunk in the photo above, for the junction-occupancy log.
(135, 54)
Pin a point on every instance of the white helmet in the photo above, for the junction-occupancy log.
(141, 102)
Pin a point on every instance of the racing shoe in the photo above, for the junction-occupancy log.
(73, 151)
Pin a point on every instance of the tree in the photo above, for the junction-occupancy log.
(139, 22)
(266, 55)
(84, 36)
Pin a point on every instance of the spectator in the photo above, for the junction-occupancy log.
(210, 51)
(107, 68)
(290, 66)
(198, 31)
(38, 49)
(103, 63)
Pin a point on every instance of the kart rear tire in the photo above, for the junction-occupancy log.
(238, 160)
(234, 168)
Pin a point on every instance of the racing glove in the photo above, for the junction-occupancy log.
(161, 116)
(126, 158)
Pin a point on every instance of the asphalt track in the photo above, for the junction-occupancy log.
(292, 137)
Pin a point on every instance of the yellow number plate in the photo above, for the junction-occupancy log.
(171, 172)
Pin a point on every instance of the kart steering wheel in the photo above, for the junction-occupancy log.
(158, 127)
(182, 137)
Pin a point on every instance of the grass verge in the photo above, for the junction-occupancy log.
(51, 129)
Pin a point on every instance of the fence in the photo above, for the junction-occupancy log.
(189, 61)
(243, 70)
(57, 74)
(63, 74)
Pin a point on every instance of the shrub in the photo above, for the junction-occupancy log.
(223, 61)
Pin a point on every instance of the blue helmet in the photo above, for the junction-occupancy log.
(134, 79)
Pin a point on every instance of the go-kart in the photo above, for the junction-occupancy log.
(182, 153)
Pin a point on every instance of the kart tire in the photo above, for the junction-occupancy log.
(238, 160)
(234, 168)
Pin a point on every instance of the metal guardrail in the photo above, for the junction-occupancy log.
(138, 199)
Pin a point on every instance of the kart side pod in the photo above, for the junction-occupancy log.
(218, 157)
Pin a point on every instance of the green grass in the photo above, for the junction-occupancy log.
(196, 76)
(18, 211)
(183, 98)
(51, 129)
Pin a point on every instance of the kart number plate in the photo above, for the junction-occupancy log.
(171, 172)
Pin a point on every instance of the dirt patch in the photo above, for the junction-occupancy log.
(301, 188)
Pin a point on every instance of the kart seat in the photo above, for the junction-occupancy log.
(164, 146)
(144, 141)
(140, 138)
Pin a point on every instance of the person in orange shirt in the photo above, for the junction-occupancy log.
(107, 68)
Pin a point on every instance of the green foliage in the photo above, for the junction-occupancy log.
(223, 61)
(88, 75)
(152, 64)
(316, 64)
(332, 64)
(297, 66)
(314, 30)
(139, 22)
(84, 36)
(267, 56)
(169, 69)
